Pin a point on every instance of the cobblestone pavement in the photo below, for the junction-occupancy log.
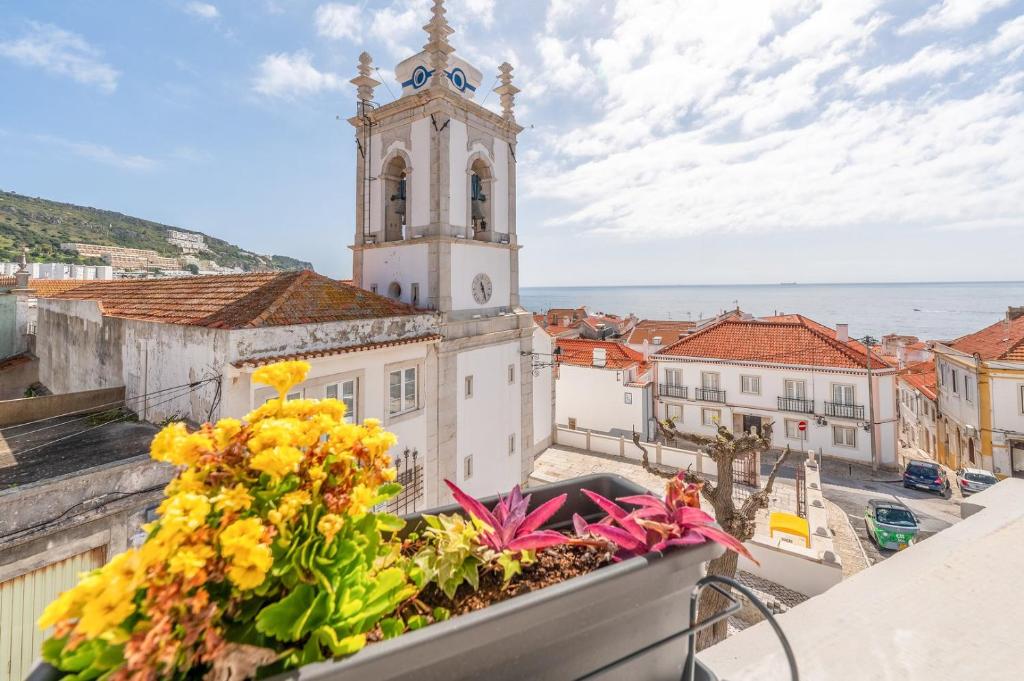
(846, 541)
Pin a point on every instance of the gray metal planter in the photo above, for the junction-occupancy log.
(602, 625)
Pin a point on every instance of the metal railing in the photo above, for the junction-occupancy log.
(845, 411)
(680, 391)
(800, 478)
(410, 477)
(710, 395)
(796, 404)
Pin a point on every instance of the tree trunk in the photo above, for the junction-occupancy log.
(712, 602)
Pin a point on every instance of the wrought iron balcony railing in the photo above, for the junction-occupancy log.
(844, 411)
(796, 404)
(680, 391)
(710, 395)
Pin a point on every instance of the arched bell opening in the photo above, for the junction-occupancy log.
(481, 181)
(395, 176)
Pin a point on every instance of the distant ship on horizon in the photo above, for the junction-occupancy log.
(788, 283)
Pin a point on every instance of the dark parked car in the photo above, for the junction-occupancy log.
(926, 475)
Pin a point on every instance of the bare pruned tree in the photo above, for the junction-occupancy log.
(724, 449)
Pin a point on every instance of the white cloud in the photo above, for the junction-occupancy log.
(203, 10)
(337, 20)
(101, 153)
(951, 14)
(785, 116)
(560, 11)
(293, 75)
(61, 52)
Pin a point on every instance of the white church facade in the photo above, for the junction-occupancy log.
(436, 229)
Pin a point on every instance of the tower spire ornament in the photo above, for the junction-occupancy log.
(438, 48)
(507, 91)
(363, 82)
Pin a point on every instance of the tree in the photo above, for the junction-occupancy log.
(724, 449)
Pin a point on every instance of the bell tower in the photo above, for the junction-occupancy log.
(436, 228)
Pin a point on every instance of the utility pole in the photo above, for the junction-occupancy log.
(868, 341)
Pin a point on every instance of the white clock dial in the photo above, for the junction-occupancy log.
(481, 288)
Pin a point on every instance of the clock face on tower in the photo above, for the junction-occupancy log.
(481, 288)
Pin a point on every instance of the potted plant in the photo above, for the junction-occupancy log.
(269, 558)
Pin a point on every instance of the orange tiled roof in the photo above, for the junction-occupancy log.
(238, 301)
(648, 329)
(45, 288)
(580, 352)
(341, 350)
(922, 377)
(787, 339)
(1002, 340)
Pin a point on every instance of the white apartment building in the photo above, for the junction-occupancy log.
(59, 270)
(782, 372)
(919, 407)
(603, 386)
(981, 398)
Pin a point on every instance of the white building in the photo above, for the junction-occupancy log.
(919, 407)
(981, 398)
(436, 228)
(603, 386)
(188, 242)
(782, 371)
(59, 270)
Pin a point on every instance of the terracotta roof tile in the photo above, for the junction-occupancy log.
(1002, 340)
(45, 288)
(7, 281)
(237, 301)
(789, 339)
(669, 331)
(580, 352)
(922, 377)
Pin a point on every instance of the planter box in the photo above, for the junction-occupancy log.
(589, 627)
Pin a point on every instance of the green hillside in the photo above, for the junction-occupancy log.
(43, 225)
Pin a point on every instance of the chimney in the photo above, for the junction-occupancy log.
(1014, 312)
(843, 333)
(599, 357)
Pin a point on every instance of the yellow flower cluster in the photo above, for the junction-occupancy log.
(242, 486)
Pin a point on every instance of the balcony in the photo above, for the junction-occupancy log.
(680, 391)
(710, 395)
(844, 411)
(796, 404)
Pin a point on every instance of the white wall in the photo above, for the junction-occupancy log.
(1007, 415)
(487, 419)
(818, 387)
(419, 212)
(543, 385)
(470, 259)
(458, 198)
(596, 398)
(406, 264)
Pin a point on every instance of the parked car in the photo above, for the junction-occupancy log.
(971, 480)
(890, 524)
(926, 475)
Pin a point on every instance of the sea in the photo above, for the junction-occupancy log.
(930, 311)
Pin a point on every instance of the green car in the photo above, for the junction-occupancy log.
(890, 524)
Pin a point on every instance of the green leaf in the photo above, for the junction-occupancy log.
(295, 615)
(52, 649)
(80, 658)
(339, 646)
(441, 614)
(389, 522)
(391, 627)
(388, 490)
(416, 622)
(509, 566)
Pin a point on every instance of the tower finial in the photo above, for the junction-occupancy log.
(363, 82)
(437, 45)
(507, 91)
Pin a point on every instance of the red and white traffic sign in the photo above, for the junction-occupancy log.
(802, 425)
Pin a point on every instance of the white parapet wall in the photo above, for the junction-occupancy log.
(613, 445)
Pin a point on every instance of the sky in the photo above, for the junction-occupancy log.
(665, 141)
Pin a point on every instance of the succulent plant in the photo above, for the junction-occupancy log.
(451, 553)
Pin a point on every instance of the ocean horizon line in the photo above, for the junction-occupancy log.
(781, 283)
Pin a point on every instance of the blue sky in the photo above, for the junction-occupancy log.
(666, 141)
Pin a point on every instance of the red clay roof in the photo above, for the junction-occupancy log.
(922, 377)
(787, 339)
(580, 352)
(342, 350)
(1002, 340)
(238, 301)
(45, 287)
(648, 329)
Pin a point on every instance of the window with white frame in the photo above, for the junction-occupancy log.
(844, 436)
(402, 391)
(469, 387)
(843, 393)
(628, 397)
(296, 394)
(796, 390)
(674, 412)
(709, 380)
(793, 431)
(968, 387)
(711, 417)
(953, 381)
(1020, 391)
(346, 392)
(750, 385)
(674, 377)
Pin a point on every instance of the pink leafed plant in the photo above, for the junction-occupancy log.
(656, 524)
(508, 527)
